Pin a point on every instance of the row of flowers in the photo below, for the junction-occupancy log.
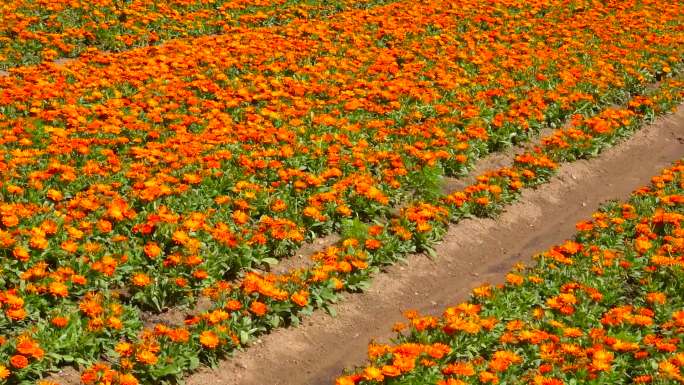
(139, 181)
(35, 31)
(604, 308)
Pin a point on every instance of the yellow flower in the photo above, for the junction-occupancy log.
(4, 372)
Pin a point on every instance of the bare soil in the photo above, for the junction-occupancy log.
(473, 252)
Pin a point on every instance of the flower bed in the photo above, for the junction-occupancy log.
(606, 307)
(155, 180)
(35, 31)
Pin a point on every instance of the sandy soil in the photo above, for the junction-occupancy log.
(473, 251)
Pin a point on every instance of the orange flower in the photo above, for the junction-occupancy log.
(678, 317)
(146, 357)
(10, 220)
(488, 378)
(124, 349)
(343, 210)
(459, 369)
(502, 360)
(233, 305)
(240, 217)
(118, 210)
(279, 205)
(372, 373)
(312, 212)
(209, 339)
(104, 226)
(127, 379)
(78, 279)
(180, 237)
(58, 289)
(642, 245)
(200, 274)
(141, 280)
(482, 201)
(514, 279)
(438, 350)
(301, 298)
(28, 347)
(17, 314)
(601, 360)
(179, 335)
(669, 370)
(390, 371)
(21, 254)
(4, 372)
(114, 323)
(152, 250)
(95, 324)
(19, 361)
(656, 297)
(60, 322)
(258, 308)
(54, 195)
(69, 246)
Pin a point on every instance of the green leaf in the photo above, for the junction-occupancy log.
(244, 337)
(270, 261)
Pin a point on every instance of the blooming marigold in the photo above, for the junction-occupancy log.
(4, 372)
(127, 379)
(209, 339)
(124, 349)
(390, 371)
(258, 308)
(372, 244)
(514, 279)
(301, 298)
(19, 361)
(10, 220)
(669, 370)
(146, 357)
(642, 245)
(372, 373)
(656, 297)
(152, 250)
(21, 254)
(28, 347)
(459, 369)
(58, 289)
(601, 360)
(141, 280)
(54, 195)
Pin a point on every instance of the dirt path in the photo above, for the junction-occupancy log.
(473, 252)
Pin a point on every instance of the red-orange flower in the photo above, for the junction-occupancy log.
(19, 361)
(209, 339)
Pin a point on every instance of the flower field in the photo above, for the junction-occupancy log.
(604, 308)
(170, 176)
(35, 30)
